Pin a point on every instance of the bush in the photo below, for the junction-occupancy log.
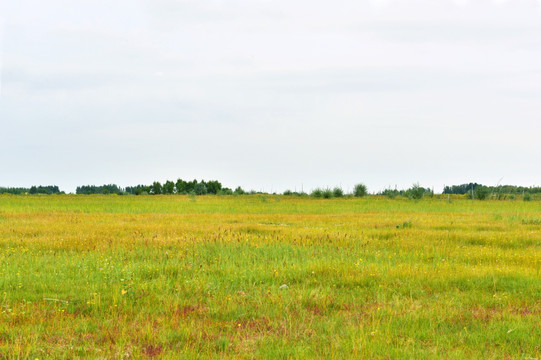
(527, 197)
(415, 192)
(327, 193)
(239, 191)
(337, 192)
(481, 192)
(317, 193)
(391, 193)
(360, 190)
(225, 191)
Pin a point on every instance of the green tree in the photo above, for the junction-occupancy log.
(213, 186)
(360, 190)
(481, 192)
(180, 186)
(415, 192)
(156, 188)
(168, 187)
(200, 188)
(190, 185)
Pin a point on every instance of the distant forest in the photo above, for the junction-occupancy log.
(168, 188)
(503, 189)
(497, 192)
(48, 190)
(214, 187)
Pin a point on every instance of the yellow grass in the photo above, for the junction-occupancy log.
(174, 276)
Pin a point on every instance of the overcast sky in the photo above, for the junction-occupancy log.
(270, 94)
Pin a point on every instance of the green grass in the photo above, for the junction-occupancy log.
(178, 277)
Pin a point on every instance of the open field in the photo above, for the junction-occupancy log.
(180, 277)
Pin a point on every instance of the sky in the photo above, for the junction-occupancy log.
(270, 94)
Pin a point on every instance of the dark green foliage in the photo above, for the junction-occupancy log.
(200, 189)
(317, 193)
(404, 225)
(239, 191)
(48, 190)
(294, 193)
(475, 190)
(327, 193)
(392, 193)
(511, 189)
(338, 192)
(14, 191)
(360, 190)
(181, 186)
(499, 192)
(481, 192)
(168, 188)
(103, 189)
(156, 188)
(416, 192)
(138, 190)
(460, 189)
(213, 186)
(51, 189)
(225, 191)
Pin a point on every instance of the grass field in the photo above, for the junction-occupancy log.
(179, 277)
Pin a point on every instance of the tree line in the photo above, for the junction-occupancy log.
(415, 192)
(180, 187)
(214, 187)
(498, 192)
(47, 190)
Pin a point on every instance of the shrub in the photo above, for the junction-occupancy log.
(317, 193)
(415, 192)
(225, 191)
(527, 197)
(239, 191)
(337, 192)
(360, 190)
(481, 192)
(404, 225)
(327, 193)
(391, 193)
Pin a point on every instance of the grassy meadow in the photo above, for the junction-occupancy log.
(268, 277)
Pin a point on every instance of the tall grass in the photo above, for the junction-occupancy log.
(174, 277)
